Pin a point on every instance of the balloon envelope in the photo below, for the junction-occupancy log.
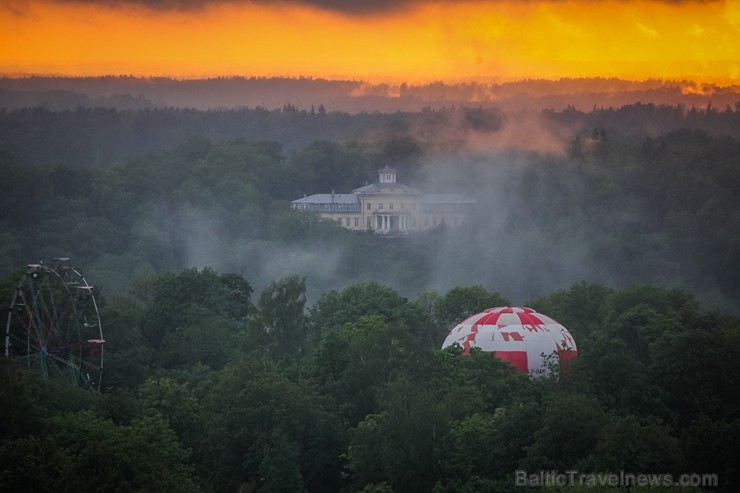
(520, 335)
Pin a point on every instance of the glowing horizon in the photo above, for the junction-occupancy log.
(423, 42)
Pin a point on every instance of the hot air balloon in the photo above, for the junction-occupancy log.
(527, 339)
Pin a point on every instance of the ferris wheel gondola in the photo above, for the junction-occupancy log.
(53, 325)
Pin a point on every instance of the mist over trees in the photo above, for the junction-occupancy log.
(559, 199)
(251, 347)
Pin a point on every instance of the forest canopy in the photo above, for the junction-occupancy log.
(253, 347)
(208, 388)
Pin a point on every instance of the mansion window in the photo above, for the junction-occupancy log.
(380, 207)
(368, 206)
(403, 205)
(357, 221)
(391, 206)
(347, 222)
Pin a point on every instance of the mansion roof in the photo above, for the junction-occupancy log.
(386, 188)
(353, 198)
(329, 198)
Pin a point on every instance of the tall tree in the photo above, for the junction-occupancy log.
(279, 325)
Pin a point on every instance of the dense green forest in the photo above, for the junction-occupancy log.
(251, 347)
(207, 388)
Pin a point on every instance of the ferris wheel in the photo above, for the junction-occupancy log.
(54, 325)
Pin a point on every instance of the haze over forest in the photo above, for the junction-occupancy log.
(549, 163)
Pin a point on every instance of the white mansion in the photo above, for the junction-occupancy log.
(388, 207)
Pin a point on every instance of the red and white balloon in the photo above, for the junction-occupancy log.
(516, 334)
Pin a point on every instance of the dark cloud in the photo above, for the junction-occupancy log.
(349, 7)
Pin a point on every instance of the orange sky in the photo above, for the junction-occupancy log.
(449, 41)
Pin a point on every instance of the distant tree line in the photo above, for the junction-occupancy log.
(104, 136)
(352, 96)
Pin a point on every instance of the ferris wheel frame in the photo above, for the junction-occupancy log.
(54, 325)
